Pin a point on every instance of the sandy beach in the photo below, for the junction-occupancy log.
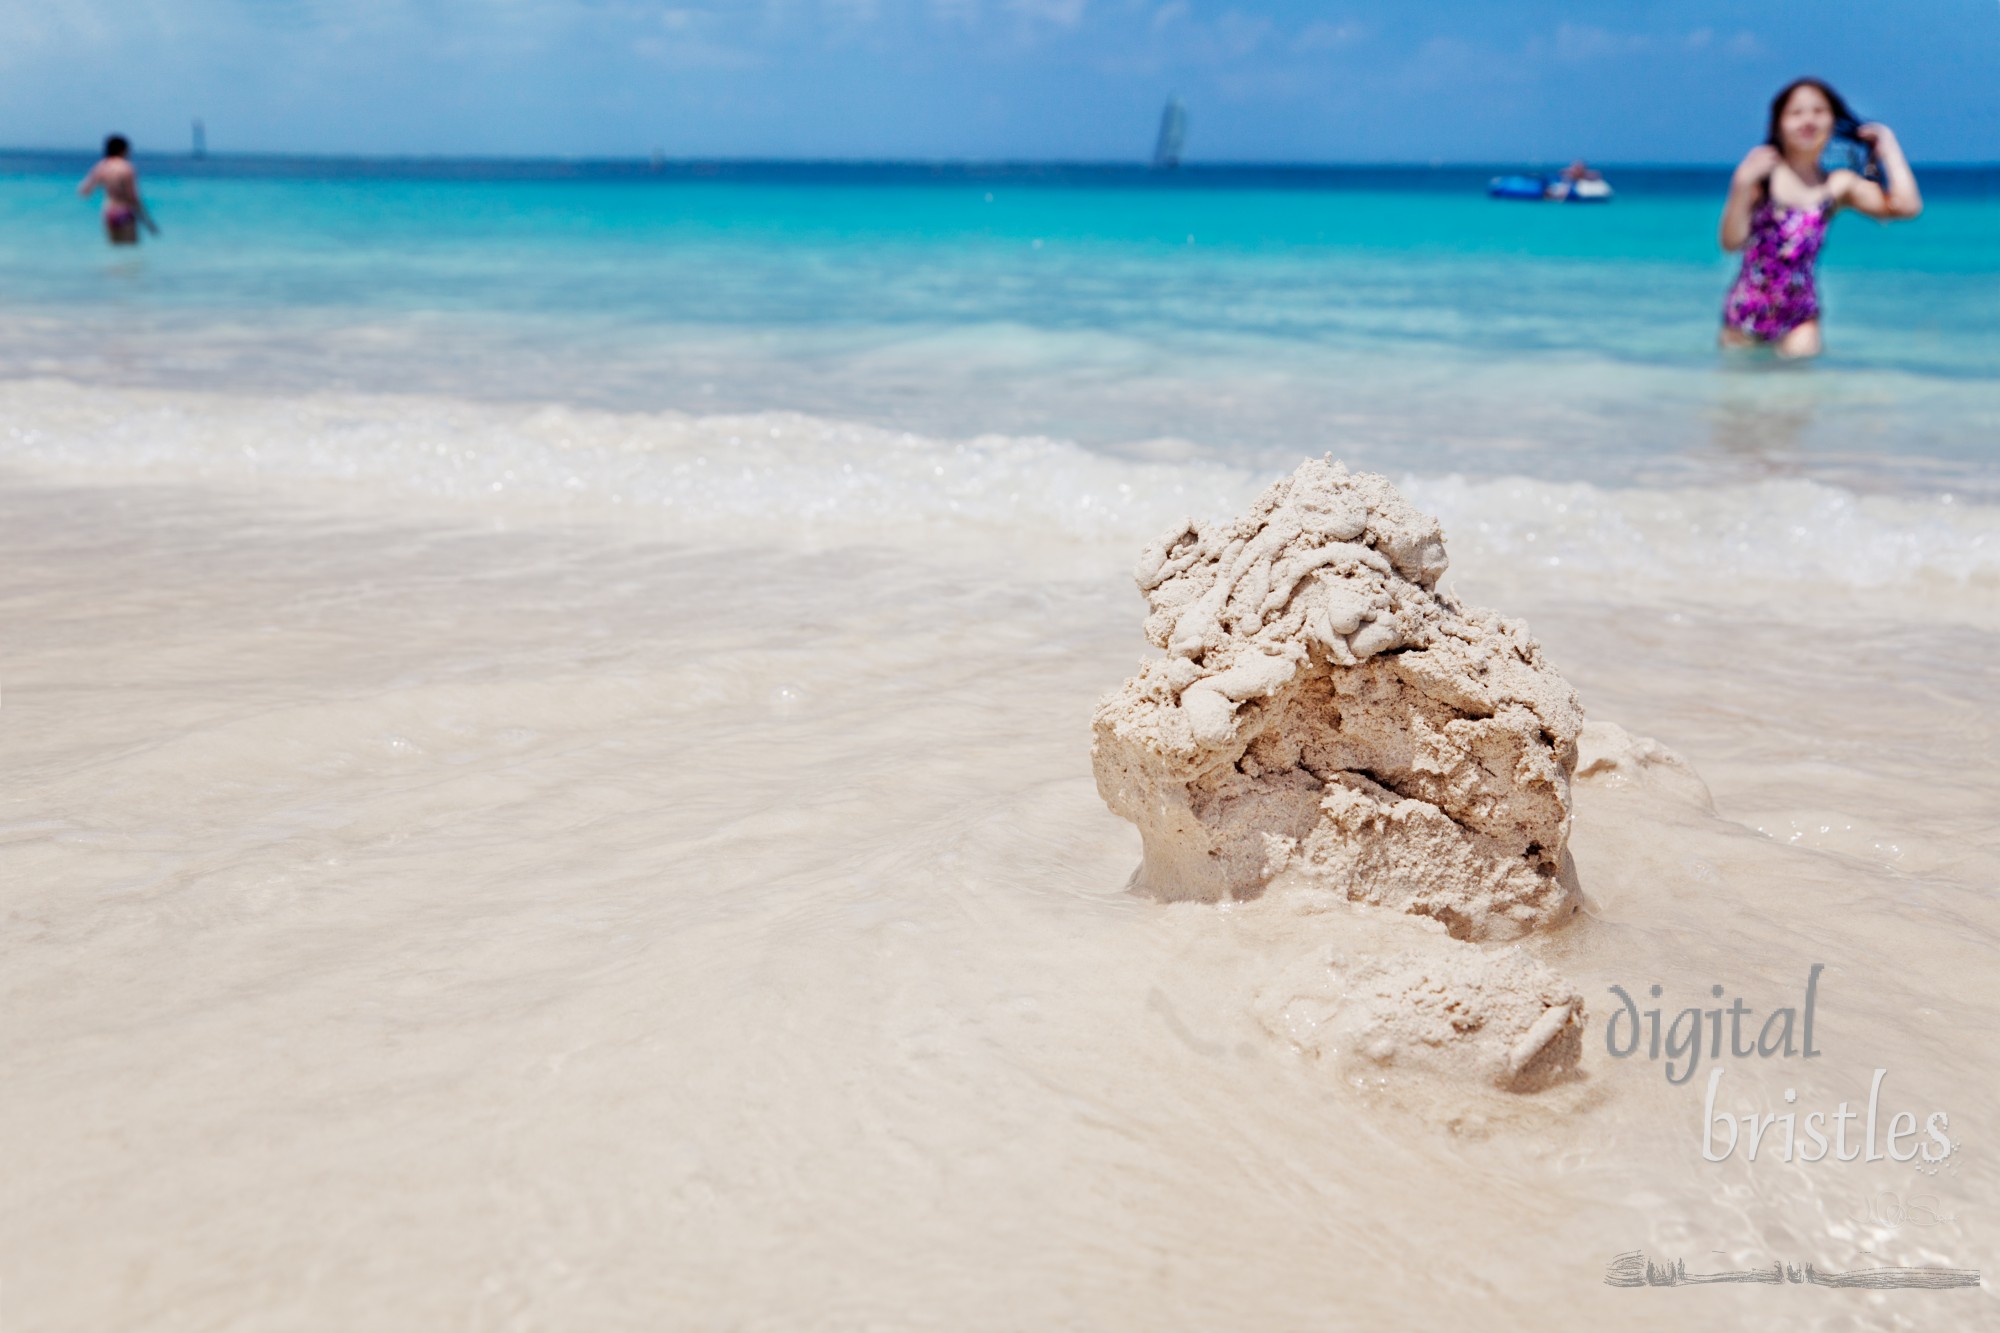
(519, 918)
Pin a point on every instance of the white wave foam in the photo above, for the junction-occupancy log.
(789, 477)
(1783, 531)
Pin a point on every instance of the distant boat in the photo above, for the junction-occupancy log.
(1173, 133)
(1518, 187)
(1578, 184)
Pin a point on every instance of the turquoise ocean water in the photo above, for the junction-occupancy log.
(1398, 317)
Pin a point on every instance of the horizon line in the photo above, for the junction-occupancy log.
(1137, 164)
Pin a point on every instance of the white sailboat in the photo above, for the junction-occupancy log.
(1173, 132)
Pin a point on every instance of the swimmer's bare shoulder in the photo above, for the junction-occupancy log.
(116, 177)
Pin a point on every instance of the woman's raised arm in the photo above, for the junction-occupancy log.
(1898, 197)
(1745, 188)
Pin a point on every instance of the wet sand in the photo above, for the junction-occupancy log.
(541, 927)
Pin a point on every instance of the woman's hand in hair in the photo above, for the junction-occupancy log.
(1757, 166)
(1897, 196)
(1876, 135)
(1744, 190)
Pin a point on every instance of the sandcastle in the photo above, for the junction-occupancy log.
(1324, 709)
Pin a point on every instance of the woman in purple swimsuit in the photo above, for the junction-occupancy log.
(1780, 201)
(123, 209)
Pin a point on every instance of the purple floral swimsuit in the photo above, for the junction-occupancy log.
(1774, 293)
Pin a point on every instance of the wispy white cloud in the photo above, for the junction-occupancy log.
(854, 12)
(1586, 42)
(961, 13)
(1237, 34)
(690, 39)
(1323, 35)
(1453, 64)
(1055, 13)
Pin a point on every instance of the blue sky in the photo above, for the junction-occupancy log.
(1264, 80)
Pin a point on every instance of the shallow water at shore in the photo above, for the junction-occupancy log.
(1415, 330)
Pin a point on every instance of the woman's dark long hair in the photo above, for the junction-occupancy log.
(1859, 155)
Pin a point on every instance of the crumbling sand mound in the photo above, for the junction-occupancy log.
(1324, 709)
(1323, 704)
(1408, 1000)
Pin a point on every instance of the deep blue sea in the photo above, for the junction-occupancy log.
(1397, 316)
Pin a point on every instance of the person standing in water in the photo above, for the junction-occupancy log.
(123, 209)
(1780, 202)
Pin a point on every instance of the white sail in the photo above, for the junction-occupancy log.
(1173, 132)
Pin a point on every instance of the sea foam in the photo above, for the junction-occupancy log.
(789, 477)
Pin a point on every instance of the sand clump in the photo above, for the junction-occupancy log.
(1325, 712)
(1391, 995)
